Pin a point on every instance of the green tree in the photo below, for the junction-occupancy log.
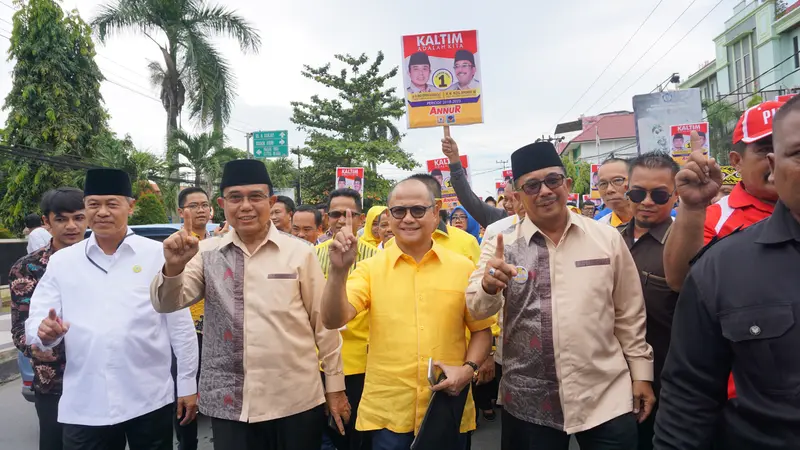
(54, 106)
(206, 154)
(142, 166)
(192, 64)
(149, 209)
(353, 129)
(282, 172)
(722, 118)
(755, 100)
(580, 172)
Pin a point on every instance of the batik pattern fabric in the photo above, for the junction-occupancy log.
(48, 366)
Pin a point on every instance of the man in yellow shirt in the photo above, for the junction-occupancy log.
(415, 294)
(355, 334)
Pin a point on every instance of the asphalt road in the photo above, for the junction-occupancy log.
(19, 428)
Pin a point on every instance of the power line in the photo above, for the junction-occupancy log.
(7, 5)
(664, 55)
(630, 39)
(638, 60)
(133, 90)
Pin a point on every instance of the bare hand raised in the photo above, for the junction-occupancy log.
(344, 246)
(498, 271)
(179, 249)
(699, 180)
(450, 150)
(52, 328)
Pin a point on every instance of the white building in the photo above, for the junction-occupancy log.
(603, 136)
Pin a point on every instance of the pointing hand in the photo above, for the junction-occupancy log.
(699, 180)
(179, 249)
(344, 246)
(498, 271)
(52, 328)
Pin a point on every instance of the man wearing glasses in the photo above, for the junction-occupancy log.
(464, 66)
(575, 360)
(263, 335)
(652, 194)
(343, 203)
(414, 292)
(612, 182)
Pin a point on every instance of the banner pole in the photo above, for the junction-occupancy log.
(446, 131)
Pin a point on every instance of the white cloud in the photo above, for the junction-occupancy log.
(537, 59)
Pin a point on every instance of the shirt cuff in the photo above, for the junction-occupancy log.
(187, 386)
(334, 383)
(483, 303)
(51, 346)
(641, 370)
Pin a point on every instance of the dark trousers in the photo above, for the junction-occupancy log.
(389, 440)
(616, 434)
(185, 434)
(152, 431)
(301, 431)
(647, 430)
(352, 439)
(50, 430)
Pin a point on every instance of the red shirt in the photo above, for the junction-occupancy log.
(738, 209)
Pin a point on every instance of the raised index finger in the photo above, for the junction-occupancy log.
(498, 252)
(348, 221)
(187, 224)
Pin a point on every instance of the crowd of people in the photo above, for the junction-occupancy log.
(322, 327)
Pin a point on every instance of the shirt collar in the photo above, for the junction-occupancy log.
(232, 238)
(658, 232)
(780, 227)
(740, 198)
(92, 242)
(394, 252)
(441, 228)
(529, 229)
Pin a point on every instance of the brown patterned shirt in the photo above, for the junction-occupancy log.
(48, 366)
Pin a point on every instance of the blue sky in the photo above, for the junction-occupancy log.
(537, 58)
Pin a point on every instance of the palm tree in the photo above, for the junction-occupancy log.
(206, 153)
(721, 117)
(191, 62)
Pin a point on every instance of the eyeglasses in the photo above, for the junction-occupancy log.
(194, 206)
(659, 196)
(338, 214)
(257, 197)
(616, 182)
(463, 66)
(417, 212)
(552, 181)
(460, 217)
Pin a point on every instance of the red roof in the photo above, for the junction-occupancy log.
(620, 126)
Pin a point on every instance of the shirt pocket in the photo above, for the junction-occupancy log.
(758, 339)
(282, 289)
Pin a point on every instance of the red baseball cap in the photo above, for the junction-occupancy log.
(756, 122)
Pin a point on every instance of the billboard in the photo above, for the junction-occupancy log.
(442, 79)
(439, 168)
(654, 115)
(683, 139)
(350, 177)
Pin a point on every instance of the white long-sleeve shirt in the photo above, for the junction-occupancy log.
(118, 346)
(38, 238)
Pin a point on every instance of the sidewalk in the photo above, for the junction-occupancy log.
(8, 353)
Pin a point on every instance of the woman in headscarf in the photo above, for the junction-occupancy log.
(371, 235)
(461, 219)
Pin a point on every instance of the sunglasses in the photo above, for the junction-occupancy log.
(338, 214)
(417, 212)
(659, 196)
(552, 181)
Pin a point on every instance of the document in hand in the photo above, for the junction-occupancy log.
(440, 426)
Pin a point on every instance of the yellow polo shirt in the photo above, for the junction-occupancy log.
(417, 311)
(454, 239)
(355, 335)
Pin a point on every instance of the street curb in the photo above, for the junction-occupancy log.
(8, 365)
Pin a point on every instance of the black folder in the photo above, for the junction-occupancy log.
(440, 426)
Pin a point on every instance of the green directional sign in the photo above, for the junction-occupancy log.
(270, 144)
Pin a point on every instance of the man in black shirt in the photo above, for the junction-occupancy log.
(739, 310)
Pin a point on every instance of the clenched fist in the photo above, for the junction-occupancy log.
(179, 249)
(450, 150)
(52, 328)
(699, 180)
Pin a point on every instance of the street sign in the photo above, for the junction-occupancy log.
(270, 144)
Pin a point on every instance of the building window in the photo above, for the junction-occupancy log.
(742, 73)
(796, 51)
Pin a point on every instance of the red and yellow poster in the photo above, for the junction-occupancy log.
(442, 79)
(595, 192)
(439, 168)
(588, 199)
(574, 198)
(350, 177)
(681, 145)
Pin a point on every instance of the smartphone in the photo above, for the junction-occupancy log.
(431, 372)
(332, 423)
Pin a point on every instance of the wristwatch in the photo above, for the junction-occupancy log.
(474, 369)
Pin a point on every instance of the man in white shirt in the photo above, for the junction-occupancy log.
(95, 297)
(38, 237)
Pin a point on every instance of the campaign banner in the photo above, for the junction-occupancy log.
(500, 187)
(681, 140)
(587, 198)
(574, 198)
(730, 176)
(350, 177)
(655, 113)
(439, 168)
(595, 193)
(441, 78)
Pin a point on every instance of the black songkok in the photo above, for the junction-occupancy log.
(419, 59)
(107, 182)
(241, 172)
(533, 157)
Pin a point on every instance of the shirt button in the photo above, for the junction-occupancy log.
(755, 330)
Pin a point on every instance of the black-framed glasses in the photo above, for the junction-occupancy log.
(552, 181)
(659, 196)
(616, 182)
(256, 197)
(417, 211)
(459, 217)
(339, 214)
(193, 206)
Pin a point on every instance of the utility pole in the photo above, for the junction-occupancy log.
(299, 175)
(247, 137)
(504, 163)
